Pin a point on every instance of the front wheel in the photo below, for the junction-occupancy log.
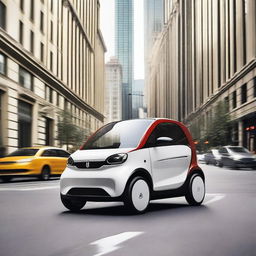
(45, 173)
(195, 190)
(137, 195)
(72, 204)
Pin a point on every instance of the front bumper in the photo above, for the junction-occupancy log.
(247, 164)
(104, 183)
(16, 169)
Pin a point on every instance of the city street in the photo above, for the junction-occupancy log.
(34, 222)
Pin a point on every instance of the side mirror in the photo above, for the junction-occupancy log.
(161, 141)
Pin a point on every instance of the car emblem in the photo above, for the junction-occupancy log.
(87, 164)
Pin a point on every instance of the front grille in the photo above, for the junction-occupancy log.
(8, 162)
(89, 165)
(7, 171)
(88, 192)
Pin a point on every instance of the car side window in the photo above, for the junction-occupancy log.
(50, 152)
(223, 151)
(169, 130)
(62, 153)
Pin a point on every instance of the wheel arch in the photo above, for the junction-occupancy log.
(46, 165)
(141, 172)
(197, 170)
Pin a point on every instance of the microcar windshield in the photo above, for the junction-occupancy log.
(124, 134)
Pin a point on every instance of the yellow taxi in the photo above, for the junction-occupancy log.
(33, 161)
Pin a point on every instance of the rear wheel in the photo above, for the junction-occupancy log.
(45, 173)
(195, 190)
(72, 204)
(137, 195)
(220, 164)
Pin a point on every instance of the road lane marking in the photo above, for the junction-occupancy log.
(111, 243)
(216, 197)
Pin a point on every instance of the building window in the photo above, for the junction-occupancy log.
(42, 21)
(31, 41)
(24, 124)
(226, 100)
(51, 34)
(49, 132)
(42, 52)
(49, 94)
(21, 33)
(234, 99)
(51, 61)
(32, 10)
(244, 93)
(22, 5)
(2, 64)
(2, 16)
(1, 123)
(254, 87)
(244, 18)
(51, 5)
(57, 99)
(25, 79)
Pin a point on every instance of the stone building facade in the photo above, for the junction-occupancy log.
(206, 54)
(51, 59)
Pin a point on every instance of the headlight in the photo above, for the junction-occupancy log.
(70, 161)
(21, 161)
(117, 159)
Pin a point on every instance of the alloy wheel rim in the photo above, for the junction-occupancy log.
(140, 195)
(198, 189)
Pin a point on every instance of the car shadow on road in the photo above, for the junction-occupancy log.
(120, 210)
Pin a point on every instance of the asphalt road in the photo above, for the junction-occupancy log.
(33, 222)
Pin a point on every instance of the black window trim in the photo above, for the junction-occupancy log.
(170, 123)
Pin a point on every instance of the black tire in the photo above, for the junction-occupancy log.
(45, 173)
(195, 191)
(220, 164)
(138, 188)
(6, 179)
(73, 205)
(207, 163)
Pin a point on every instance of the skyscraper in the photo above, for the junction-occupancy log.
(124, 50)
(113, 93)
(153, 22)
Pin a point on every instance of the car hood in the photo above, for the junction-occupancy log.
(97, 154)
(14, 158)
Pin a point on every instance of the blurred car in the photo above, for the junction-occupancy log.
(200, 157)
(34, 161)
(213, 156)
(237, 157)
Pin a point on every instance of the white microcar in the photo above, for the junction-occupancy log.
(134, 161)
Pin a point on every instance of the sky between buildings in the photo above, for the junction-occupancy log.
(107, 24)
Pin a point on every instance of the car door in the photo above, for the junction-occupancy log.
(170, 159)
(63, 157)
(225, 156)
(53, 159)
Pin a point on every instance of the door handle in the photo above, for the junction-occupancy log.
(175, 157)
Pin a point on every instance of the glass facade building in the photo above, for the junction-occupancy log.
(124, 37)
